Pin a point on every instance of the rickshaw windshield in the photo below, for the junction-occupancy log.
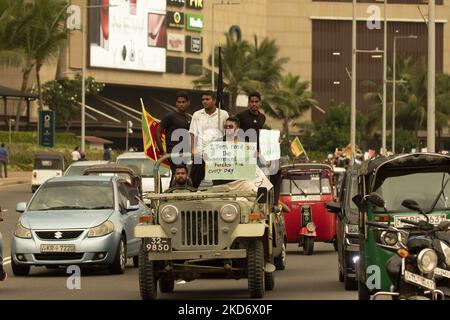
(306, 184)
(422, 187)
(48, 164)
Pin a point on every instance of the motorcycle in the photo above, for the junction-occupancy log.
(421, 265)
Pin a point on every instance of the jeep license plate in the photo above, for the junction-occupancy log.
(442, 272)
(157, 244)
(419, 280)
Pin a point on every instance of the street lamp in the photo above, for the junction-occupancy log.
(129, 131)
(221, 3)
(10, 122)
(394, 83)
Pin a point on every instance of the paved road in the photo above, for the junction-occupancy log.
(306, 277)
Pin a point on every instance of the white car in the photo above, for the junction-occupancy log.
(145, 166)
(77, 168)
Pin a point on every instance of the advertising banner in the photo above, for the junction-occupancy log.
(175, 19)
(175, 42)
(194, 22)
(131, 35)
(194, 44)
(230, 161)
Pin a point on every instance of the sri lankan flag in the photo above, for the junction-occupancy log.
(297, 147)
(149, 126)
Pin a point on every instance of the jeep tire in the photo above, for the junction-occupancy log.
(269, 281)
(255, 268)
(280, 261)
(147, 276)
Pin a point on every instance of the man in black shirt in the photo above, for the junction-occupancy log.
(179, 119)
(252, 120)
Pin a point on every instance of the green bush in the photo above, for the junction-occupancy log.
(62, 138)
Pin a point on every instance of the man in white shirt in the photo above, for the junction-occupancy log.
(204, 129)
(76, 155)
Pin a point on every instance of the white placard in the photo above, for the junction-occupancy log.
(269, 144)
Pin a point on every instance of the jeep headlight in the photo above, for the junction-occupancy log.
(169, 213)
(101, 230)
(427, 260)
(229, 212)
(22, 232)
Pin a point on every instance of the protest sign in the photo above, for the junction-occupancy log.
(269, 144)
(230, 161)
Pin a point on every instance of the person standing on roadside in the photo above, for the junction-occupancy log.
(76, 155)
(204, 129)
(3, 160)
(179, 119)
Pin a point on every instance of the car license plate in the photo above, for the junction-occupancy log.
(442, 272)
(306, 198)
(434, 219)
(57, 248)
(159, 245)
(419, 280)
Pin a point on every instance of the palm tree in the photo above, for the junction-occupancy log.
(29, 30)
(288, 101)
(442, 104)
(54, 36)
(245, 68)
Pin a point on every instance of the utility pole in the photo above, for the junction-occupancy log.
(431, 112)
(383, 142)
(353, 95)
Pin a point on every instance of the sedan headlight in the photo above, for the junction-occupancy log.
(169, 213)
(427, 260)
(22, 232)
(101, 230)
(229, 212)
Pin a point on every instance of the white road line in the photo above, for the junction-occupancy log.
(7, 260)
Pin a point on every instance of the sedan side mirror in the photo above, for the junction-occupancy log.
(21, 207)
(132, 207)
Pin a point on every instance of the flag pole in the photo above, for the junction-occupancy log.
(219, 88)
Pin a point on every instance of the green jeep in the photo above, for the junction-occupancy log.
(193, 235)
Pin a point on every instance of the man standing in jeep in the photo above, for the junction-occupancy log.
(181, 180)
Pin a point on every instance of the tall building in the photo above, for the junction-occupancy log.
(151, 49)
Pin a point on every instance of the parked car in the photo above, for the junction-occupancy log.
(305, 189)
(78, 220)
(46, 165)
(347, 229)
(145, 166)
(77, 168)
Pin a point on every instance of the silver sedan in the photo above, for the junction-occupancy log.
(75, 221)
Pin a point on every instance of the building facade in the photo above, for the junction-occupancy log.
(178, 35)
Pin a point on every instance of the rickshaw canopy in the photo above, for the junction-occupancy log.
(49, 161)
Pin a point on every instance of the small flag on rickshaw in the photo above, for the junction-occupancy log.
(297, 147)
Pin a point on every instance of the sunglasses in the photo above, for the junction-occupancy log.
(229, 127)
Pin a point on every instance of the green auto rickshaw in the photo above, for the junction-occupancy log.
(422, 177)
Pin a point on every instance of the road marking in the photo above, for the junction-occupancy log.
(180, 282)
(7, 260)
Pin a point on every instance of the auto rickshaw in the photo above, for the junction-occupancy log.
(46, 165)
(422, 177)
(305, 189)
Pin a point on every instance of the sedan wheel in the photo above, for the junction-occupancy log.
(120, 260)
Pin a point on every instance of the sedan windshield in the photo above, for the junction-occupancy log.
(144, 167)
(73, 195)
(423, 187)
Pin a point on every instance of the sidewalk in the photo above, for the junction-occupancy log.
(15, 178)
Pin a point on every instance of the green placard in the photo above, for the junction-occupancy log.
(194, 22)
(47, 128)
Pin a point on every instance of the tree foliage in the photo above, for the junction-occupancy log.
(64, 96)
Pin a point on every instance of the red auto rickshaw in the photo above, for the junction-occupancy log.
(305, 189)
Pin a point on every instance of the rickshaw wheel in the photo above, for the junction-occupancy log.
(269, 281)
(255, 268)
(147, 276)
(350, 283)
(308, 245)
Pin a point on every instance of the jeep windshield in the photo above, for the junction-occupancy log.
(306, 183)
(422, 187)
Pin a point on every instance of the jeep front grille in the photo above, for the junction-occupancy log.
(199, 228)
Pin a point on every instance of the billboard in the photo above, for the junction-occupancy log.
(194, 44)
(194, 22)
(128, 35)
(175, 42)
